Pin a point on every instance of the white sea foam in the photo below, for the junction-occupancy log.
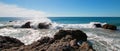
(1, 25)
(27, 36)
(77, 26)
(34, 22)
(103, 40)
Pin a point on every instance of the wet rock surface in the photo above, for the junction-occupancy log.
(75, 34)
(64, 40)
(8, 42)
(98, 25)
(43, 25)
(26, 25)
(108, 26)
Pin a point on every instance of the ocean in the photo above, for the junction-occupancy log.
(102, 39)
(71, 20)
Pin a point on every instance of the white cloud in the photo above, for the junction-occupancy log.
(15, 11)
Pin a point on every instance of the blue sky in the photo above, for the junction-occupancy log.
(70, 7)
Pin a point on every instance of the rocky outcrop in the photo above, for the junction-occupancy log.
(75, 34)
(98, 25)
(8, 42)
(40, 25)
(108, 26)
(26, 25)
(43, 26)
(64, 40)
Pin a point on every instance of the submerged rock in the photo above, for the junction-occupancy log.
(8, 42)
(26, 25)
(108, 26)
(64, 40)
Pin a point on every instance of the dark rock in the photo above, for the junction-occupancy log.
(79, 35)
(8, 42)
(10, 21)
(68, 37)
(43, 26)
(108, 26)
(64, 40)
(76, 34)
(60, 46)
(86, 47)
(98, 25)
(26, 25)
(46, 40)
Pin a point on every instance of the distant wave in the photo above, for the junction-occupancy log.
(103, 40)
(34, 24)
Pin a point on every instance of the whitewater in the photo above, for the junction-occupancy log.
(102, 39)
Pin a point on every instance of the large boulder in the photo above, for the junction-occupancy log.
(43, 25)
(76, 34)
(8, 42)
(26, 25)
(108, 26)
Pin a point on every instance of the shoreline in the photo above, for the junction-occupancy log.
(59, 36)
(93, 34)
(104, 36)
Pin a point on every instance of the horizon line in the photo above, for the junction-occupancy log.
(71, 16)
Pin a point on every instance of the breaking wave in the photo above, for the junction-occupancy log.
(103, 40)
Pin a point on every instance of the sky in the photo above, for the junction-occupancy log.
(59, 8)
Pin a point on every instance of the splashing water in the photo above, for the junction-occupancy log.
(103, 40)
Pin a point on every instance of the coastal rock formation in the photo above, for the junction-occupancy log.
(108, 26)
(43, 25)
(8, 42)
(26, 25)
(76, 34)
(98, 25)
(64, 40)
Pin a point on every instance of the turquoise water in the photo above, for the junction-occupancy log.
(80, 20)
(72, 20)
